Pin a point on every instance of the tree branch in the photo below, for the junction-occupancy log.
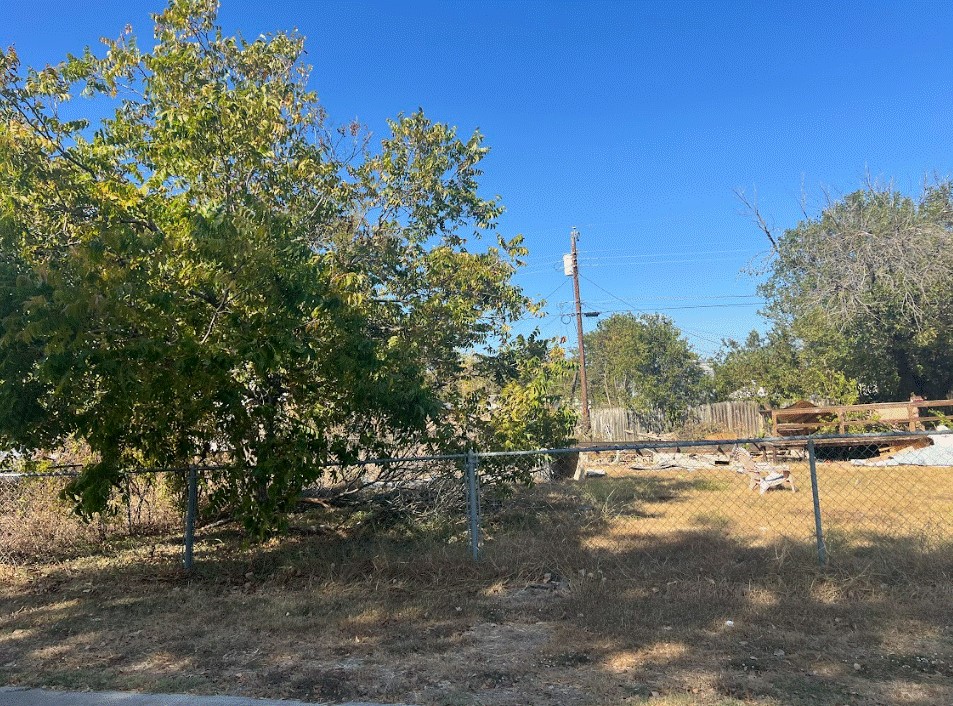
(752, 210)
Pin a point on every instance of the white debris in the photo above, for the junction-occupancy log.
(939, 454)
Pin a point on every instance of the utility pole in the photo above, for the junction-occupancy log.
(583, 383)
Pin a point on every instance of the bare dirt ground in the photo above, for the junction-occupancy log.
(670, 587)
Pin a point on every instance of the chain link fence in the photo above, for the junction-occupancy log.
(404, 498)
(839, 498)
(833, 498)
(37, 523)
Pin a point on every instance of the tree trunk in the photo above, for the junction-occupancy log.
(910, 381)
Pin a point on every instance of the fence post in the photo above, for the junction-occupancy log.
(128, 504)
(190, 512)
(474, 503)
(818, 528)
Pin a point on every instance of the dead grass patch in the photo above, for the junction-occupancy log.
(36, 525)
(650, 572)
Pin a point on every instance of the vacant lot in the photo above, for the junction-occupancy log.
(680, 584)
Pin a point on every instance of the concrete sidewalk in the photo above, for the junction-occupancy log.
(22, 696)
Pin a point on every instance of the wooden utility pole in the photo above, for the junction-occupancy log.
(583, 383)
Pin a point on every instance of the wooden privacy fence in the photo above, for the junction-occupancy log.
(739, 418)
(619, 424)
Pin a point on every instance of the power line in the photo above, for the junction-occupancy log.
(616, 255)
(566, 321)
(556, 266)
(717, 343)
(561, 285)
(611, 262)
(641, 310)
(682, 308)
(552, 263)
(683, 251)
(686, 307)
(696, 298)
(591, 225)
(600, 287)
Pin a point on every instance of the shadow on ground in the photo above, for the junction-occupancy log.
(695, 616)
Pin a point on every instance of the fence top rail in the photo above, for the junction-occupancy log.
(849, 422)
(870, 407)
(877, 437)
(75, 469)
(46, 474)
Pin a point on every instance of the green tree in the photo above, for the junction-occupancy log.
(775, 370)
(864, 287)
(215, 265)
(522, 405)
(643, 362)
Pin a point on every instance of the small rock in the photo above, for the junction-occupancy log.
(729, 623)
(250, 574)
(779, 653)
(857, 667)
(459, 609)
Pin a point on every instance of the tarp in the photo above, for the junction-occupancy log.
(939, 454)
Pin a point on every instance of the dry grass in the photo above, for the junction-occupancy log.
(36, 525)
(859, 505)
(655, 563)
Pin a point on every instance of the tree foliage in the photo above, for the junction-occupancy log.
(776, 370)
(525, 378)
(215, 265)
(864, 286)
(644, 363)
(524, 382)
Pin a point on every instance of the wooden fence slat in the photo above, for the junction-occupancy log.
(620, 424)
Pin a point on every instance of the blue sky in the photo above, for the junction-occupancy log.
(633, 121)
